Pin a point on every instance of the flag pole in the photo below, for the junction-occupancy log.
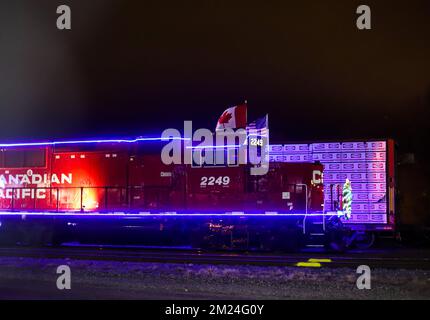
(246, 114)
(268, 135)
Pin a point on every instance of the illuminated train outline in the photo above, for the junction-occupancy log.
(72, 218)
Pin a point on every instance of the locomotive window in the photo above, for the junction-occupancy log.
(299, 189)
(24, 158)
(13, 159)
(34, 158)
(294, 188)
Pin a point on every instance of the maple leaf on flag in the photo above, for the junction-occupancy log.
(232, 118)
(225, 118)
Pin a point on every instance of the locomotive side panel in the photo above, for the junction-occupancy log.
(305, 183)
(89, 181)
(215, 188)
(24, 173)
(153, 184)
(287, 187)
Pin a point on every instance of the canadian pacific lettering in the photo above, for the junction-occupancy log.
(15, 185)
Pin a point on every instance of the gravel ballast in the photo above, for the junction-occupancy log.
(31, 278)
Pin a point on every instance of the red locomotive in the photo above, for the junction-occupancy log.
(119, 191)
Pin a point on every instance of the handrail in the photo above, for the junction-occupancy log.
(51, 193)
(306, 205)
(123, 197)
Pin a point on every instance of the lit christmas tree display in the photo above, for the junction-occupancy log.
(347, 199)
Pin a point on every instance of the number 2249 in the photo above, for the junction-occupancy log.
(211, 181)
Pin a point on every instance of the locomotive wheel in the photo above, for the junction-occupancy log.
(337, 241)
(364, 240)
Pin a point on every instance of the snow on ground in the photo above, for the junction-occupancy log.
(31, 278)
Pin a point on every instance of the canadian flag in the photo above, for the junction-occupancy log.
(233, 118)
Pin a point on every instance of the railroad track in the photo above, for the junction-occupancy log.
(377, 259)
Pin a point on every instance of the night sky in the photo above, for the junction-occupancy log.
(137, 67)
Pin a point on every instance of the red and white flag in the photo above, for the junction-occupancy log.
(233, 118)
